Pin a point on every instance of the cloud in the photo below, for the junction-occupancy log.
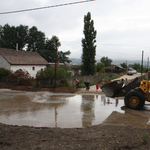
(123, 26)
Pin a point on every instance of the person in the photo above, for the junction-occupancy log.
(87, 84)
(77, 83)
(126, 82)
(97, 87)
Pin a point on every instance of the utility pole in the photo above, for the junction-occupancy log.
(147, 63)
(127, 66)
(142, 63)
(56, 44)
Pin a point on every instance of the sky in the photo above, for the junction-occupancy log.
(123, 26)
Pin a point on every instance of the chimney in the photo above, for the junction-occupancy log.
(16, 46)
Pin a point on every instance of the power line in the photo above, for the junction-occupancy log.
(18, 11)
(124, 45)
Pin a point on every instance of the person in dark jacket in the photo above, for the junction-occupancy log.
(87, 84)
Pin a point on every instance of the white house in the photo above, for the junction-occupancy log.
(13, 60)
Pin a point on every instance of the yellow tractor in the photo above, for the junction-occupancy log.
(135, 93)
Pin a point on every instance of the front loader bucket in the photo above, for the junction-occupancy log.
(117, 89)
(113, 88)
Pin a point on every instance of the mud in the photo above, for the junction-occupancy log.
(111, 137)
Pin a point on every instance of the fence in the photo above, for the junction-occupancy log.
(9, 80)
(46, 82)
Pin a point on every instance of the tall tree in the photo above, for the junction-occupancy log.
(88, 46)
(106, 61)
(36, 39)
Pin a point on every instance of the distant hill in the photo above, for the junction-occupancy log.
(77, 61)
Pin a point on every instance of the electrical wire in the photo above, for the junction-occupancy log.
(32, 9)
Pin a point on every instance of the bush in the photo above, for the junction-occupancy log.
(21, 74)
(64, 82)
(100, 67)
(50, 73)
(4, 72)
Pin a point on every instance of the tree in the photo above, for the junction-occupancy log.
(49, 53)
(11, 35)
(124, 65)
(32, 39)
(100, 67)
(106, 61)
(36, 39)
(88, 46)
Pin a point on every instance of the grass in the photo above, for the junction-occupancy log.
(145, 136)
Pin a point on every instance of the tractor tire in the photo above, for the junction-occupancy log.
(134, 100)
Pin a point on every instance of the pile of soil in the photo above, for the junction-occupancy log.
(98, 137)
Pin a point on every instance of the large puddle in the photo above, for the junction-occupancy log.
(67, 110)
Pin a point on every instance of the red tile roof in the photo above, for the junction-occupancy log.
(21, 57)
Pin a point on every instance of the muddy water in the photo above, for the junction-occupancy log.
(67, 110)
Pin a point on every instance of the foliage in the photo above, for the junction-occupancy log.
(4, 72)
(49, 53)
(21, 73)
(50, 73)
(10, 35)
(64, 82)
(32, 39)
(145, 136)
(100, 67)
(137, 67)
(111, 77)
(123, 65)
(106, 61)
(88, 46)
(36, 39)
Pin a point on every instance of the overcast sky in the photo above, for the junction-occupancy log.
(123, 26)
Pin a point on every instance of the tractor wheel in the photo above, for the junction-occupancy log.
(134, 100)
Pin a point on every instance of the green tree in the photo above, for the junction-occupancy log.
(36, 39)
(33, 40)
(124, 65)
(11, 35)
(100, 67)
(106, 61)
(49, 53)
(88, 46)
(62, 57)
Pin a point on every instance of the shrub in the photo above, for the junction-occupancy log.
(4, 72)
(64, 82)
(21, 74)
(50, 73)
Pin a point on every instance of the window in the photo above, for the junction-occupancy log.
(33, 68)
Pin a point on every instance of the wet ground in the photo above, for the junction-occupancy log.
(67, 110)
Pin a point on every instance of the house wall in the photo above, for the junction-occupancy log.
(32, 71)
(4, 63)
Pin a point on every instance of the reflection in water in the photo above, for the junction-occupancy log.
(103, 99)
(117, 102)
(67, 111)
(87, 107)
